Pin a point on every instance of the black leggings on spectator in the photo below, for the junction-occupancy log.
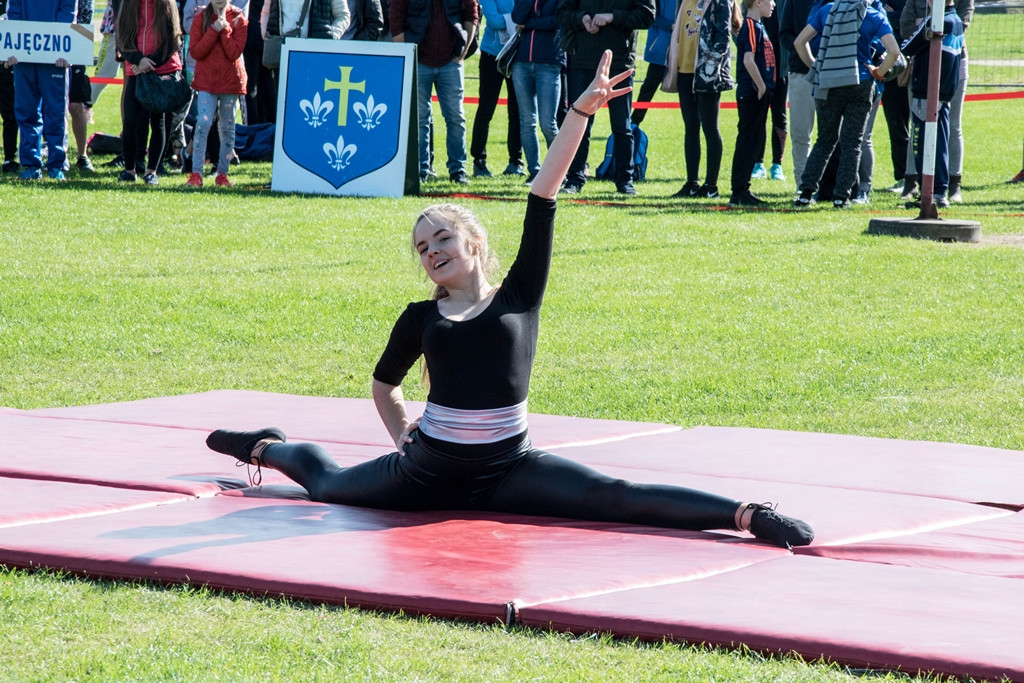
(136, 126)
(700, 114)
(509, 476)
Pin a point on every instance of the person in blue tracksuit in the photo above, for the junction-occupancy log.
(41, 94)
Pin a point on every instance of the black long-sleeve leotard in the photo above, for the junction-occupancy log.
(484, 362)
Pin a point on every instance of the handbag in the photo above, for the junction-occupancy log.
(272, 44)
(161, 93)
(670, 82)
(507, 54)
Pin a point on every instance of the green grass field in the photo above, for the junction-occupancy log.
(658, 310)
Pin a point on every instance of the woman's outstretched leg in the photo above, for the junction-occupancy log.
(389, 482)
(546, 484)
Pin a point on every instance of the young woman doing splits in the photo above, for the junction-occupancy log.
(470, 449)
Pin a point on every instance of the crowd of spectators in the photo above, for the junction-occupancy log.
(799, 65)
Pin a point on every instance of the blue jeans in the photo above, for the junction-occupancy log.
(223, 107)
(448, 80)
(537, 89)
(618, 112)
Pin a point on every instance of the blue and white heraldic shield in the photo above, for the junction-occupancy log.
(345, 118)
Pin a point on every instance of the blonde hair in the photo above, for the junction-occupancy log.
(465, 223)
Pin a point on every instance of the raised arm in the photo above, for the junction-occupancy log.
(563, 148)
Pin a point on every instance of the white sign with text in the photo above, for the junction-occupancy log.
(44, 42)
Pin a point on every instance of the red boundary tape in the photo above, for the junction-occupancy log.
(1016, 94)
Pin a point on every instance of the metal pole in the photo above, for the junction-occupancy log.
(928, 209)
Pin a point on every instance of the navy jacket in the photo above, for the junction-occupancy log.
(620, 36)
(539, 20)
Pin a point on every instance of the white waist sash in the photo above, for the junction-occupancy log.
(473, 426)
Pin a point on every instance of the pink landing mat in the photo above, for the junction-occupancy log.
(992, 547)
(973, 474)
(860, 613)
(447, 564)
(30, 501)
(908, 569)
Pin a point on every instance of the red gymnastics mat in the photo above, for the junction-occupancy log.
(916, 565)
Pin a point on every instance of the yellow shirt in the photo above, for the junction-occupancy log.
(688, 36)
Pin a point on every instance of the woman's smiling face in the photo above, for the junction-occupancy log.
(445, 253)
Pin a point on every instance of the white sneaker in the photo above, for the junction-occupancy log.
(897, 188)
(861, 198)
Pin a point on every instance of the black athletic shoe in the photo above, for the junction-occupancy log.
(689, 190)
(707, 192)
(480, 169)
(746, 199)
(803, 200)
(240, 444)
(785, 532)
(11, 166)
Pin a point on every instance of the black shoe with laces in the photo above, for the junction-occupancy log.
(459, 177)
(11, 166)
(240, 444)
(689, 190)
(785, 532)
(707, 192)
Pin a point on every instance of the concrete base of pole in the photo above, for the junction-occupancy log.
(927, 228)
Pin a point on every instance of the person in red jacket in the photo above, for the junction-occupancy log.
(216, 42)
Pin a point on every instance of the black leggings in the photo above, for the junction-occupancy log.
(700, 115)
(510, 476)
(136, 124)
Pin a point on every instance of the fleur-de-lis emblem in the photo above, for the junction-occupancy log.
(369, 113)
(316, 111)
(339, 155)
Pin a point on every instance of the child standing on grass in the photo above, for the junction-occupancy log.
(216, 42)
(755, 84)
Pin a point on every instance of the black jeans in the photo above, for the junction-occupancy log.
(842, 117)
(778, 110)
(896, 107)
(491, 81)
(750, 137)
(510, 476)
(652, 81)
(618, 112)
(700, 115)
(10, 123)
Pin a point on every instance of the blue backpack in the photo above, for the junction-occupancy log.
(606, 171)
(255, 142)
